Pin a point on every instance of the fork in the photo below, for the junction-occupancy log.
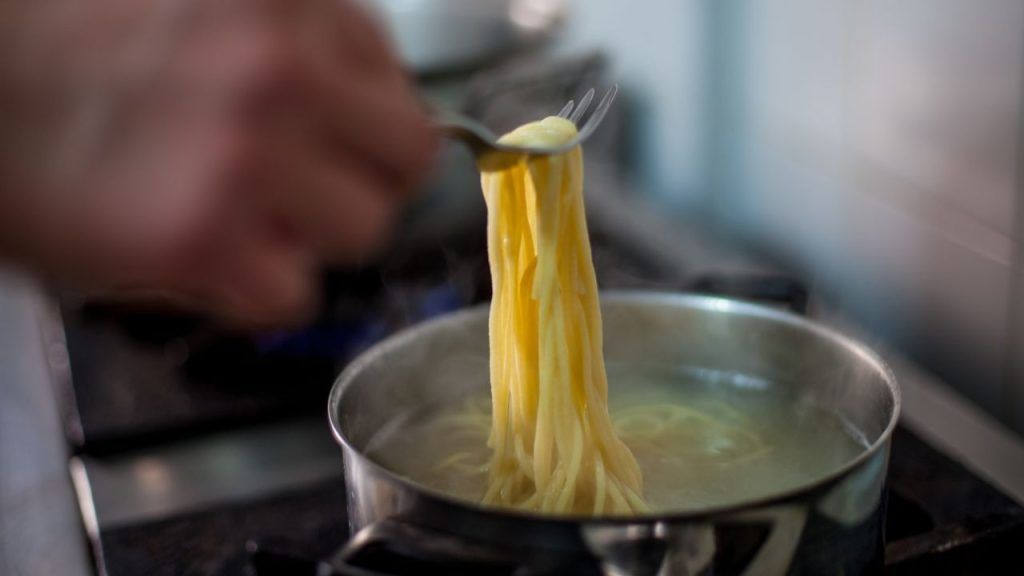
(492, 155)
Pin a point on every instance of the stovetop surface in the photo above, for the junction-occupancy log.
(942, 519)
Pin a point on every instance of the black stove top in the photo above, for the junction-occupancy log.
(941, 519)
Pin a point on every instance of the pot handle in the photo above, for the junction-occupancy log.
(397, 547)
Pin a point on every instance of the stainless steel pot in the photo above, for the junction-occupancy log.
(833, 525)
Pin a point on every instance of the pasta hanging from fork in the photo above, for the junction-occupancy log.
(554, 446)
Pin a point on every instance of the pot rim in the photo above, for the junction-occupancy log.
(688, 300)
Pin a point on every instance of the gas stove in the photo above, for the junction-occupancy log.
(941, 519)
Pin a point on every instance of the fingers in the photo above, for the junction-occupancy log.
(265, 280)
(339, 206)
(356, 38)
(363, 97)
(336, 154)
(292, 207)
(322, 138)
(349, 141)
(365, 110)
(383, 127)
(253, 272)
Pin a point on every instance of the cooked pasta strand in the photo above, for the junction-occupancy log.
(554, 446)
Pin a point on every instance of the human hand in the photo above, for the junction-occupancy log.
(217, 152)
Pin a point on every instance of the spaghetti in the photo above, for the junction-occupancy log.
(554, 447)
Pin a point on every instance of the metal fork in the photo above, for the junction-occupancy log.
(491, 155)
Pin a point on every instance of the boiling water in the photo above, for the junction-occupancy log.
(702, 438)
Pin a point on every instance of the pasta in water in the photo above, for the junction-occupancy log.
(552, 437)
(554, 447)
(547, 439)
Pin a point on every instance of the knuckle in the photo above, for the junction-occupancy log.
(269, 289)
(296, 292)
(267, 73)
(289, 302)
(364, 232)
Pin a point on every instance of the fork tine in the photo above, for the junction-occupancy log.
(582, 108)
(493, 155)
(599, 112)
(566, 110)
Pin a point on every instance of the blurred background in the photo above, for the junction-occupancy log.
(873, 147)
(859, 161)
